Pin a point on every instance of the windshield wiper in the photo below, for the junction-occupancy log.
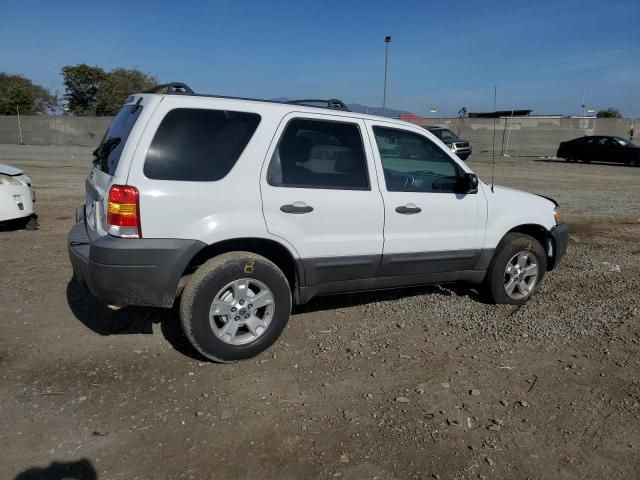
(106, 148)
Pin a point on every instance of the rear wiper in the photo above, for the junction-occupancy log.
(106, 148)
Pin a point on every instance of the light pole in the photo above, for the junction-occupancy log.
(387, 41)
(19, 125)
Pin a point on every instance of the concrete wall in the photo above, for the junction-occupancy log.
(41, 130)
(526, 135)
(530, 135)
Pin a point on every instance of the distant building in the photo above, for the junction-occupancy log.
(407, 116)
(500, 113)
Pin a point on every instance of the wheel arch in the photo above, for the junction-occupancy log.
(542, 235)
(272, 250)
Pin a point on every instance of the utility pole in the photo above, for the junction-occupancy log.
(387, 41)
(584, 94)
(19, 125)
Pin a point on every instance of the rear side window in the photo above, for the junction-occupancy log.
(320, 154)
(107, 155)
(199, 145)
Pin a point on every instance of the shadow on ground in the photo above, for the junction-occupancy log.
(139, 320)
(346, 300)
(562, 160)
(80, 470)
(96, 316)
(27, 223)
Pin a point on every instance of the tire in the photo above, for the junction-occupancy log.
(221, 279)
(497, 279)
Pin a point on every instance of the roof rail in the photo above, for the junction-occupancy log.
(178, 88)
(332, 103)
(173, 88)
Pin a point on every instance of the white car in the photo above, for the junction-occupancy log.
(16, 195)
(242, 207)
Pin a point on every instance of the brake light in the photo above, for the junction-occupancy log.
(123, 212)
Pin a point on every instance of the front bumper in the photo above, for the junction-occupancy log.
(16, 202)
(143, 272)
(560, 237)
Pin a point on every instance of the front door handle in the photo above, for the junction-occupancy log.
(408, 209)
(297, 208)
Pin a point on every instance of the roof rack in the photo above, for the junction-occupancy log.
(178, 88)
(332, 103)
(174, 88)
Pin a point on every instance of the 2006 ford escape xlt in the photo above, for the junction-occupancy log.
(239, 208)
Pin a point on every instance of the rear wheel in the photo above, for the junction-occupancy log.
(517, 268)
(235, 306)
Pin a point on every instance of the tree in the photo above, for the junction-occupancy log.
(81, 84)
(609, 113)
(462, 113)
(117, 85)
(18, 91)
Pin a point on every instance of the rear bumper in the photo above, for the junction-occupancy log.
(143, 272)
(560, 237)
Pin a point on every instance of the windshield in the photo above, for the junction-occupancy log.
(107, 155)
(444, 134)
(623, 142)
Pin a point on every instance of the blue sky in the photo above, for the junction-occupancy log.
(446, 54)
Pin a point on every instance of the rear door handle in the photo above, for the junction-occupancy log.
(408, 209)
(296, 208)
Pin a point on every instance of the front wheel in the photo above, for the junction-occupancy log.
(516, 270)
(235, 306)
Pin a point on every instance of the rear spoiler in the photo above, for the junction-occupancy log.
(173, 88)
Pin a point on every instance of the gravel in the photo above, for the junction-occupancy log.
(362, 386)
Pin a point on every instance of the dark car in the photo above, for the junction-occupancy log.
(462, 148)
(600, 148)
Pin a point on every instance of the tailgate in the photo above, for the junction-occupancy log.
(104, 171)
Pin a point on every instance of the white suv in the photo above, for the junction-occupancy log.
(242, 207)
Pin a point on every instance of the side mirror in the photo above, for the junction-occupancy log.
(469, 183)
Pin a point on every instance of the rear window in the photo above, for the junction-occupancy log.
(107, 155)
(199, 145)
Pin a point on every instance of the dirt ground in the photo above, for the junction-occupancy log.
(419, 383)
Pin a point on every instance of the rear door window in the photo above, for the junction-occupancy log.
(107, 155)
(199, 145)
(320, 154)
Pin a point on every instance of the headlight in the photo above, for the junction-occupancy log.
(449, 145)
(558, 215)
(7, 180)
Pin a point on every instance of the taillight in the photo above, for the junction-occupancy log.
(123, 212)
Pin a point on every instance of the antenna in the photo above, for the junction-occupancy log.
(493, 150)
